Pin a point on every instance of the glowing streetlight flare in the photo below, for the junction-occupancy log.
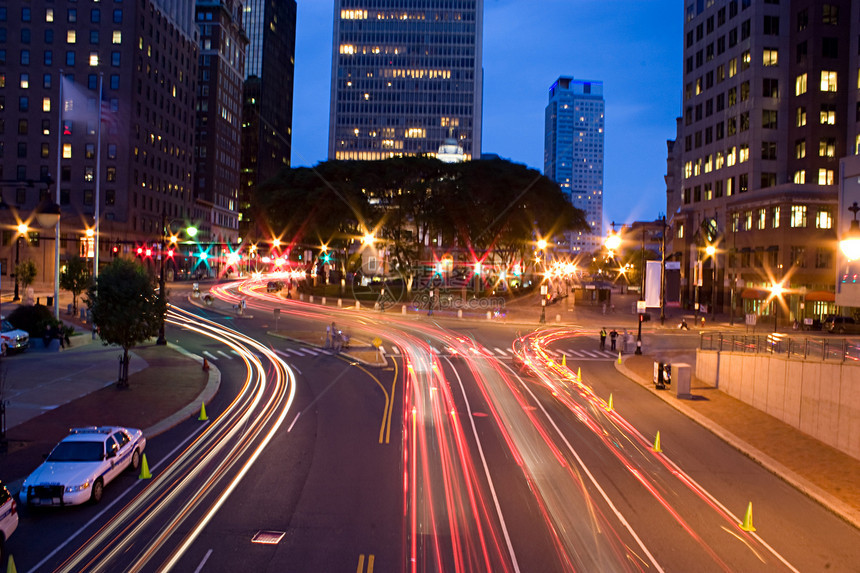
(541, 244)
(613, 241)
(22, 228)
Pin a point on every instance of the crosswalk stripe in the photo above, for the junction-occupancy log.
(210, 355)
(564, 352)
(224, 354)
(294, 351)
(576, 353)
(395, 350)
(609, 354)
(311, 351)
(591, 354)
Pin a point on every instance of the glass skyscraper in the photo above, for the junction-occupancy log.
(573, 153)
(406, 75)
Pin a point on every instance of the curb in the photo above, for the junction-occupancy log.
(835, 505)
(212, 387)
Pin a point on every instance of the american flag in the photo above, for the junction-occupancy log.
(79, 105)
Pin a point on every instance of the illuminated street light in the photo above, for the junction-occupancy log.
(850, 245)
(613, 241)
(541, 244)
(368, 239)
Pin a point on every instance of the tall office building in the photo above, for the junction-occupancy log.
(573, 153)
(769, 106)
(146, 52)
(406, 75)
(217, 150)
(267, 100)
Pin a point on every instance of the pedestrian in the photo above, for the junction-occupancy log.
(612, 337)
(337, 341)
(603, 338)
(604, 308)
(329, 336)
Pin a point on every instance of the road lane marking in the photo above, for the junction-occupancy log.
(564, 352)
(593, 355)
(500, 352)
(296, 352)
(395, 350)
(576, 353)
(361, 569)
(224, 354)
(202, 563)
(210, 355)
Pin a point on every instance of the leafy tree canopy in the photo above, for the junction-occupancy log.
(75, 278)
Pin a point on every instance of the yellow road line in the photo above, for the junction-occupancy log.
(370, 559)
(385, 428)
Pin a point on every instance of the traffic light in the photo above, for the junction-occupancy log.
(140, 251)
(170, 253)
(115, 248)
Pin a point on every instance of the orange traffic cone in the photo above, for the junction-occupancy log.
(205, 364)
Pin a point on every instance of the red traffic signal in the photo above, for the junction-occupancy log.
(140, 251)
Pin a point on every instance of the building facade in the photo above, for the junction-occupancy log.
(405, 74)
(573, 153)
(140, 161)
(267, 99)
(217, 150)
(768, 108)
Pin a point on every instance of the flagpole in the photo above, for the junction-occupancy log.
(58, 180)
(98, 179)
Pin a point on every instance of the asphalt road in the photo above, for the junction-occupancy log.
(454, 458)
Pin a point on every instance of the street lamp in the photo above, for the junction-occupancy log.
(191, 232)
(711, 252)
(850, 245)
(641, 294)
(22, 231)
(543, 303)
(776, 290)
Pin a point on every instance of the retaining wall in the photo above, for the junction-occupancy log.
(821, 399)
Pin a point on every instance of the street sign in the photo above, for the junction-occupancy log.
(640, 306)
(376, 342)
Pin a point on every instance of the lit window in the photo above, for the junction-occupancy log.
(801, 116)
(827, 147)
(770, 57)
(800, 177)
(117, 37)
(800, 84)
(347, 49)
(733, 67)
(49, 15)
(774, 221)
(824, 220)
(688, 169)
(46, 104)
(94, 59)
(731, 156)
(798, 216)
(719, 160)
(761, 219)
(825, 177)
(70, 37)
(25, 81)
(67, 151)
(828, 81)
(743, 153)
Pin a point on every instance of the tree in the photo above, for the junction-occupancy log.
(125, 308)
(75, 278)
(26, 272)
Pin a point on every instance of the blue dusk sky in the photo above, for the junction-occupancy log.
(633, 46)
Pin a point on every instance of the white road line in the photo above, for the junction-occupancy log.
(224, 354)
(609, 354)
(311, 351)
(210, 355)
(591, 354)
(395, 350)
(202, 563)
(295, 352)
(500, 351)
(576, 353)
(564, 352)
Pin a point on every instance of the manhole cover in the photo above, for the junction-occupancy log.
(268, 537)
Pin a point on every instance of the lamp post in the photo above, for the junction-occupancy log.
(711, 252)
(776, 290)
(161, 340)
(22, 230)
(850, 245)
(640, 311)
(543, 303)
(663, 273)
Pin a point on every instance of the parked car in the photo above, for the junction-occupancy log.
(11, 338)
(274, 286)
(841, 325)
(8, 519)
(81, 465)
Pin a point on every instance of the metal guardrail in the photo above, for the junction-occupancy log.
(818, 348)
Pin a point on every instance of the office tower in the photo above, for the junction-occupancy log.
(146, 53)
(768, 108)
(405, 75)
(267, 101)
(573, 153)
(218, 127)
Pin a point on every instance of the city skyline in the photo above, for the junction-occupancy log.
(642, 93)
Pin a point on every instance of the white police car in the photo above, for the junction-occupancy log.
(12, 338)
(81, 465)
(8, 519)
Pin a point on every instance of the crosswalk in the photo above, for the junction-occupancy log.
(495, 352)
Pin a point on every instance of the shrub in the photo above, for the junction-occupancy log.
(31, 319)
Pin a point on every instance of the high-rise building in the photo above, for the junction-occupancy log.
(573, 153)
(405, 74)
(267, 100)
(146, 54)
(768, 108)
(217, 151)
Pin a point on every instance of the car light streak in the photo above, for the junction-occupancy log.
(224, 452)
(564, 385)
